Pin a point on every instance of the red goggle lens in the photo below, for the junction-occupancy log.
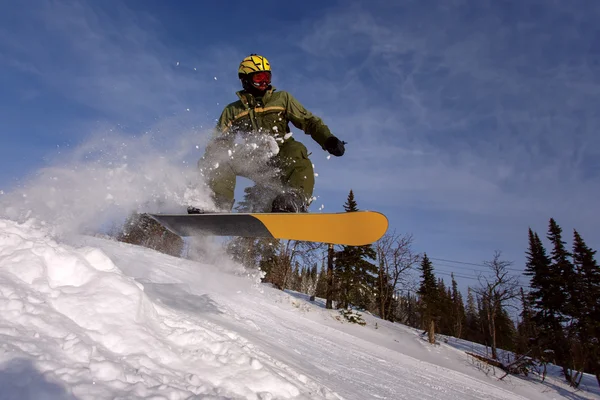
(261, 78)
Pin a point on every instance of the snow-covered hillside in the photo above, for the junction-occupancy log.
(90, 318)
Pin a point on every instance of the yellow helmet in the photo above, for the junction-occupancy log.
(253, 63)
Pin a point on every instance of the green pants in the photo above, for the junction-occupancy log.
(290, 169)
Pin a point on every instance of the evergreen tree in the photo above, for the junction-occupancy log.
(563, 269)
(304, 280)
(266, 258)
(473, 332)
(356, 274)
(350, 205)
(429, 297)
(538, 267)
(277, 263)
(296, 281)
(408, 311)
(332, 285)
(321, 289)
(312, 278)
(484, 331)
(445, 319)
(253, 253)
(526, 328)
(505, 330)
(458, 310)
(586, 305)
(548, 300)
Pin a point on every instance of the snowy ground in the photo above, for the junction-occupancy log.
(90, 318)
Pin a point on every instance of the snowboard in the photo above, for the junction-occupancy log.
(345, 228)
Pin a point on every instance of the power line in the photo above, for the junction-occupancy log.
(476, 272)
(464, 265)
(459, 267)
(446, 273)
(461, 274)
(469, 263)
(457, 262)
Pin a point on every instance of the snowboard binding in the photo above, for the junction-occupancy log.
(289, 202)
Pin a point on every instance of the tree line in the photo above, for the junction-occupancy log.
(556, 317)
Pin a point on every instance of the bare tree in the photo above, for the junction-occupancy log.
(495, 292)
(280, 266)
(395, 258)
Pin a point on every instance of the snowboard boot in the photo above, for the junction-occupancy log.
(289, 202)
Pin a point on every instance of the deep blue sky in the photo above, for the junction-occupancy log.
(467, 121)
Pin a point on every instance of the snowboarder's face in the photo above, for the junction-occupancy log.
(261, 80)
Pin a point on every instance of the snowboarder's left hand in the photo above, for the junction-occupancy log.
(335, 146)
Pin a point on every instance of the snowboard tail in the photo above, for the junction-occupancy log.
(346, 228)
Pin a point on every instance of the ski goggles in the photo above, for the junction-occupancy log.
(261, 80)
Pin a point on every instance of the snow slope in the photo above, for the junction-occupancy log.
(90, 318)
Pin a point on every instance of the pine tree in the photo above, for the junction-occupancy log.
(458, 310)
(408, 311)
(548, 299)
(473, 332)
(321, 290)
(445, 319)
(313, 278)
(429, 296)
(277, 263)
(253, 253)
(331, 282)
(538, 267)
(586, 305)
(563, 269)
(505, 330)
(525, 329)
(356, 274)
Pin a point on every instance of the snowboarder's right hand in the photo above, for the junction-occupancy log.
(335, 146)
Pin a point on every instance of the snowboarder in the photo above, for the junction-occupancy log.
(263, 110)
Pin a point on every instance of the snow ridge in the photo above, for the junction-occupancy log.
(73, 316)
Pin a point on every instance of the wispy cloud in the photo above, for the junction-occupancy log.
(483, 107)
(110, 59)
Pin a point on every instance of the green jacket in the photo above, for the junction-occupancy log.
(271, 115)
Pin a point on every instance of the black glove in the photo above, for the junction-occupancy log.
(335, 146)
